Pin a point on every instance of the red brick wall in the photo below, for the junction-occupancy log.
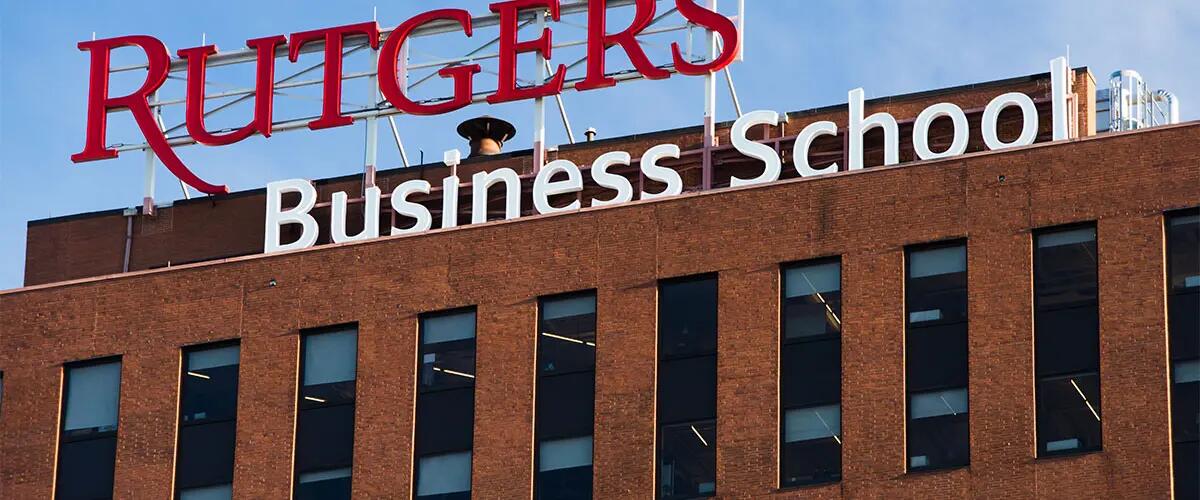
(1125, 181)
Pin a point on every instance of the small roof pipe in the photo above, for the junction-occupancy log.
(1172, 104)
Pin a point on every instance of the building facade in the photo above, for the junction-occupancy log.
(1010, 324)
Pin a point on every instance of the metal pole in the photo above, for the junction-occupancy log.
(148, 179)
(371, 155)
(737, 104)
(539, 104)
(562, 110)
(403, 77)
(710, 107)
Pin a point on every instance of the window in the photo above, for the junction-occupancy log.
(566, 388)
(445, 405)
(811, 374)
(935, 338)
(1066, 341)
(1183, 310)
(207, 422)
(88, 445)
(687, 387)
(325, 425)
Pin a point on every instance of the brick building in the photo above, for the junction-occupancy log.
(1002, 324)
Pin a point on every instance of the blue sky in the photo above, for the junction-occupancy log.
(799, 55)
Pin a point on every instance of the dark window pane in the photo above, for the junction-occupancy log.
(1065, 268)
(566, 389)
(928, 306)
(559, 355)
(205, 454)
(1187, 470)
(208, 413)
(325, 438)
(1183, 252)
(811, 462)
(445, 405)
(331, 484)
(85, 469)
(687, 389)
(1067, 340)
(325, 423)
(565, 469)
(1183, 310)
(687, 317)
(567, 334)
(688, 460)
(812, 300)
(936, 289)
(325, 395)
(1068, 414)
(812, 446)
(209, 394)
(445, 421)
(447, 350)
(448, 365)
(444, 477)
(812, 373)
(938, 435)
(1185, 401)
(1184, 325)
(565, 405)
(937, 357)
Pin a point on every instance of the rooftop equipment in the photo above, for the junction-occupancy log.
(486, 134)
(1131, 105)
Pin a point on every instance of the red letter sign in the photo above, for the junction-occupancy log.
(713, 22)
(599, 41)
(506, 87)
(264, 90)
(331, 107)
(158, 63)
(389, 83)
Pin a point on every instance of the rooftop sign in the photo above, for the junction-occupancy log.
(562, 176)
(389, 45)
(391, 94)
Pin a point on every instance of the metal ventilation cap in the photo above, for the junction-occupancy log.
(486, 134)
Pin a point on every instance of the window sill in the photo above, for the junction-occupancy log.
(806, 486)
(934, 470)
(1067, 454)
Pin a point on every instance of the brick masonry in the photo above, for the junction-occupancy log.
(1123, 181)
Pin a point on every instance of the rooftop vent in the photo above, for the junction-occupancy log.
(486, 134)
